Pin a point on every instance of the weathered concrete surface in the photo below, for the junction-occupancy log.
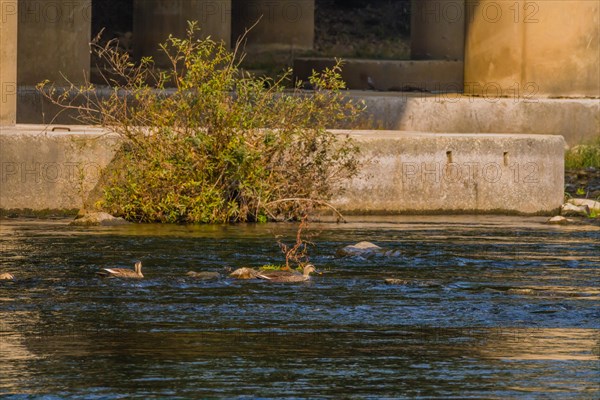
(284, 24)
(423, 75)
(54, 39)
(405, 172)
(578, 120)
(437, 29)
(530, 47)
(428, 173)
(155, 20)
(8, 61)
(41, 169)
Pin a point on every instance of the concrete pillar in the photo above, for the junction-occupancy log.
(8, 61)
(525, 49)
(283, 25)
(155, 20)
(54, 39)
(437, 30)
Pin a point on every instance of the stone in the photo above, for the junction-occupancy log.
(97, 219)
(591, 204)
(204, 276)
(394, 281)
(361, 249)
(244, 273)
(571, 210)
(559, 220)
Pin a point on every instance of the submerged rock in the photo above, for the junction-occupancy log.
(245, 273)
(559, 220)
(571, 210)
(366, 250)
(97, 219)
(204, 276)
(6, 277)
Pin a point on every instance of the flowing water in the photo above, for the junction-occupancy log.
(494, 307)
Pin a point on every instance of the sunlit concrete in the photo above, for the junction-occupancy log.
(403, 172)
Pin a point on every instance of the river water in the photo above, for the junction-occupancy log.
(495, 307)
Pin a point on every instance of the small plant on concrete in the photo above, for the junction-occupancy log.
(583, 156)
(204, 142)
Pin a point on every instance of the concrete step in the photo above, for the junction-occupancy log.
(54, 168)
(577, 120)
(384, 75)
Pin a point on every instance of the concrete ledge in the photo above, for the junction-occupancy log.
(398, 75)
(456, 173)
(577, 120)
(50, 171)
(404, 172)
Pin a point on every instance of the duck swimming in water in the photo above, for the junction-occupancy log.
(135, 273)
(288, 276)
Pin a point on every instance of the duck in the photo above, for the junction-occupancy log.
(288, 276)
(6, 277)
(204, 276)
(135, 273)
(245, 273)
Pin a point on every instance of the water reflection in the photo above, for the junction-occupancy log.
(513, 311)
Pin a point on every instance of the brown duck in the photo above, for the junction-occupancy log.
(6, 277)
(288, 276)
(135, 273)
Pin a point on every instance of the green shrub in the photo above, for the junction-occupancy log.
(220, 145)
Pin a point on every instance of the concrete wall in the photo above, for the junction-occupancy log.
(54, 40)
(384, 75)
(154, 20)
(437, 30)
(577, 120)
(403, 172)
(8, 61)
(541, 48)
(430, 173)
(43, 169)
(283, 25)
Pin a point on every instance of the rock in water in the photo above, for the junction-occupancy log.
(97, 219)
(366, 250)
(362, 249)
(559, 220)
(245, 273)
(591, 204)
(571, 210)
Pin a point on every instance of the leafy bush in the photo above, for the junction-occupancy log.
(205, 142)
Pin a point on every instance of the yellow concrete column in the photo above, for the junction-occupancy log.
(8, 61)
(54, 39)
(437, 29)
(154, 20)
(527, 49)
